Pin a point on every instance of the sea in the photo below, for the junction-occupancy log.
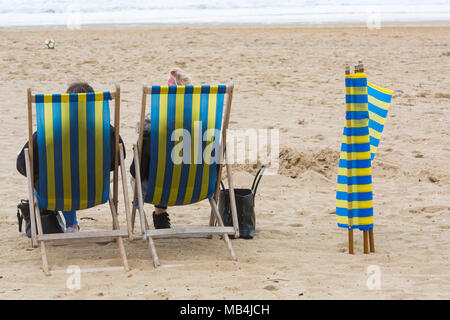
(79, 13)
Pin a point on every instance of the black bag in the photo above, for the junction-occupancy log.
(51, 220)
(245, 205)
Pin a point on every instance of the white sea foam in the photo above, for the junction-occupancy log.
(85, 12)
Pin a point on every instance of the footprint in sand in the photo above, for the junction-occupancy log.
(319, 137)
(417, 154)
(296, 225)
(442, 95)
(271, 288)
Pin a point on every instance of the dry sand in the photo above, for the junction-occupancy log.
(288, 78)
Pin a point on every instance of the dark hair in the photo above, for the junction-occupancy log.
(79, 87)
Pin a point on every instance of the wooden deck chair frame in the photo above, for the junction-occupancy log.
(38, 238)
(208, 231)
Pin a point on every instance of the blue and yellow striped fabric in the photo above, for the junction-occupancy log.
(74, 148)
(185, 129)
(354, 207)
(379, 102)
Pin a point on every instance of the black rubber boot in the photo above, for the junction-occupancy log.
(161, 221)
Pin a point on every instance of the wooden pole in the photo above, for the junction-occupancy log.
(228, 165)
(226, 238)
(359, 69)
(125, 192)
(33, 214)
(366, 241)
(123, 253)
(350, 240)
(350, 231)
(141, 138)
(138, 189)
(30, 133)
(347, 70)
(44, 258)
(232, 201)
(34, 242)
(29, 155)
(141, 124)
(115, 207)
(371, 240)
(118, 239)
(151, 243)
(223, 145)
(116, 144)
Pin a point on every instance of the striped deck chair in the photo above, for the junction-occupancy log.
(188, 132)
(74, 149)
(366, 111)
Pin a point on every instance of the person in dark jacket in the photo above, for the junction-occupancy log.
(161, 218)
(69, 216)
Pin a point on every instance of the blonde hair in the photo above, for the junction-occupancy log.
(181, 77)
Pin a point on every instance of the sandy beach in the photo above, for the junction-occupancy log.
(289, 78)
